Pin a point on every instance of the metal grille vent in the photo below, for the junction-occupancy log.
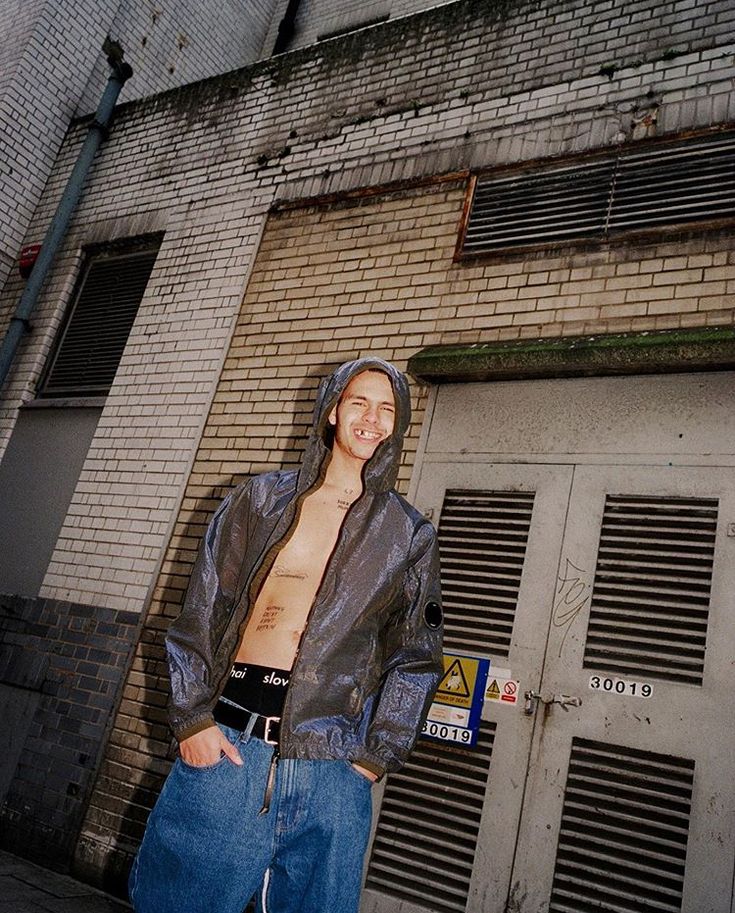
(554, 207)
(425, 842)
(624, 828)
(482, 543)
(663, 187)
(651, 594)
(98, 326)
(675, 186)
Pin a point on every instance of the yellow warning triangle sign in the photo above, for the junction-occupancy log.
(493, 687)
(454, 683)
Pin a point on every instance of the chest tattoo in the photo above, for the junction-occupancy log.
(280, 571)
(269, 618)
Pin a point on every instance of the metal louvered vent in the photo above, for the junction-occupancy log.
(482, 544)
(98, 325)
(651, 594)
(425, 842)
(624, 829)
(673, 186)
(662, 187)
(553, 207)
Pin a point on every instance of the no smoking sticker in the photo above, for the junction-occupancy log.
(501, 687)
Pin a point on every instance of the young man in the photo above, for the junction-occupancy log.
(302, 667)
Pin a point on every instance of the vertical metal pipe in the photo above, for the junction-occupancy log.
(286, 27)
(98, 129)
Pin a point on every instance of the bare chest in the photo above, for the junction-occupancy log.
(281, 610)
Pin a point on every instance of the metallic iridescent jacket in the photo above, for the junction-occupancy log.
(370, 658)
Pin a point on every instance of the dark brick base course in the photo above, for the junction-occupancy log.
(75, 658)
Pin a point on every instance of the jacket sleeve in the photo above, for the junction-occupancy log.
(413, 667)
(193, 638)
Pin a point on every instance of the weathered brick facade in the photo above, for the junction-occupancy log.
(205, 163)
(331, 283)
(253, 299)
(52, 68)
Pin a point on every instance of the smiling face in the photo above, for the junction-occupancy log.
(364, 415)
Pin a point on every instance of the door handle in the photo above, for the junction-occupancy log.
(565, 701)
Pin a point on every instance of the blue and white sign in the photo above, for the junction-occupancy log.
(455, 714)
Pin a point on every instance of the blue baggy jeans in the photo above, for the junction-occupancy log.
(207, 850)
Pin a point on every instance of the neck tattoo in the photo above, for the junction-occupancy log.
(344, 503)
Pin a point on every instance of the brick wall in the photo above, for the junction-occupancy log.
(205, 163)
(17, 21)
(223, 360)
(45, 62)
(74, 658)
(332, 283)
(52, 67)
(317, 18)
(175, 42)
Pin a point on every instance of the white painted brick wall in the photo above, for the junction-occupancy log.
(417, 97)
(317, 18)
(17, 21)
(170, 43)
(52, 67)
(42, 60)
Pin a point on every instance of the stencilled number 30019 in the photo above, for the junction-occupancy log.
(620, 686)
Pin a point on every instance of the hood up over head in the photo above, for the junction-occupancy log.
(381, 469)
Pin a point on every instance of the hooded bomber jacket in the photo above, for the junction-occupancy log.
(370, 657)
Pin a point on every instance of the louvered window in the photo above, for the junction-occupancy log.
(663, 187)
(624, 830)
(425, 842)
(482, 543)
(651, 593)
(98, 324)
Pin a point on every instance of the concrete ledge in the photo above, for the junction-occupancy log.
(707, 349)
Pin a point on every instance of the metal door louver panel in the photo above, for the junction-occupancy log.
(98, 326)
(425, 842)
(664, 186)
(651, 592)
(624, 830)
(482, 543)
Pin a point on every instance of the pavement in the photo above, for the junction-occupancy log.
(29, 888)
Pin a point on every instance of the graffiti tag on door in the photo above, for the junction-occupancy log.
(572, 593)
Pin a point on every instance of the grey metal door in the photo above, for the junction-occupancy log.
(607, 594)
(628, 803)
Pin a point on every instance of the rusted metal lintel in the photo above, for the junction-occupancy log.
(363, 193)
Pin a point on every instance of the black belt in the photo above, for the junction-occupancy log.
(266, 727)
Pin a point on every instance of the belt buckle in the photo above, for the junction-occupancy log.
(269, 720)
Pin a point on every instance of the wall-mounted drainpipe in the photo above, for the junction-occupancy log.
(98, 129)
(286, 27)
